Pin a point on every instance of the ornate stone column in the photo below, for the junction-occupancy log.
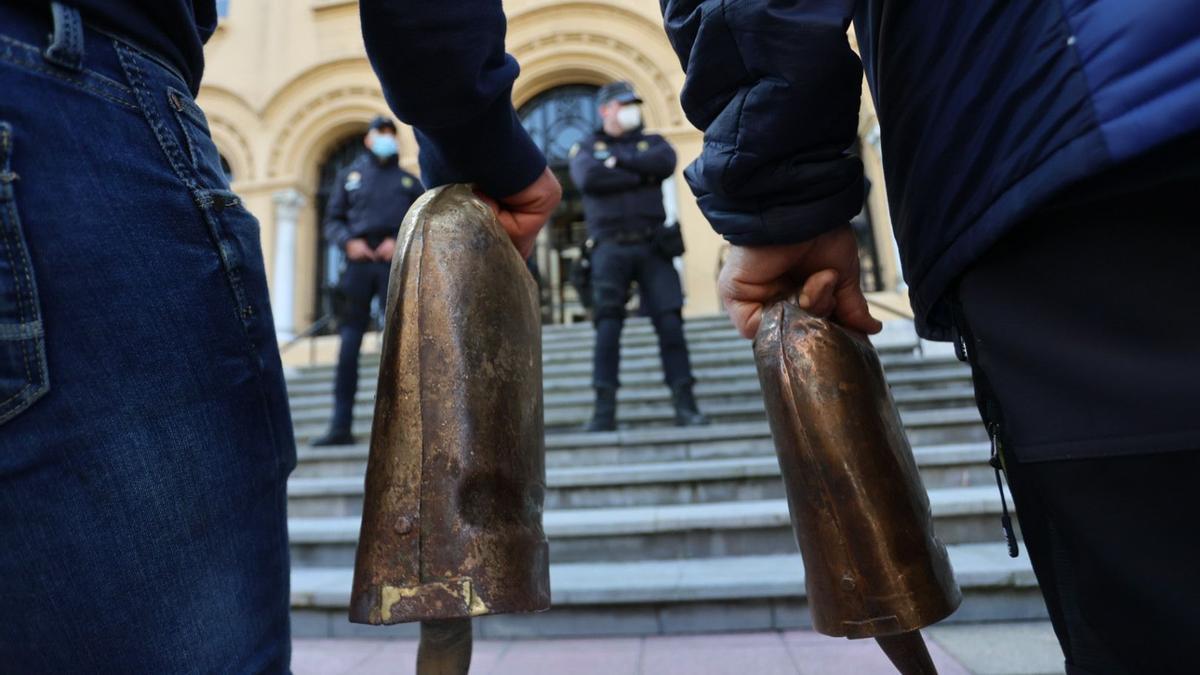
(283, 288)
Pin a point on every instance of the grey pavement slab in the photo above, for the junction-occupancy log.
(1003, 648)
(740, 653)
(816, 654)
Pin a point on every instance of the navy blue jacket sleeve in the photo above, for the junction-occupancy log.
(337, 229)
(445, 72)
(593, 177)
(775, 87)
(656, 163)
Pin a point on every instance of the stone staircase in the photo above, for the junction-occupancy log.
(655, 529)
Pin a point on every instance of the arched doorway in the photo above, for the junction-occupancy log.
(557, 119)
(329, 256)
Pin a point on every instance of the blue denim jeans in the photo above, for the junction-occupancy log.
(145, 440)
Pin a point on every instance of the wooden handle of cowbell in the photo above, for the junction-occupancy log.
(908, 653)
(445, 647)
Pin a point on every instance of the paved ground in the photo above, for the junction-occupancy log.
(982, 649)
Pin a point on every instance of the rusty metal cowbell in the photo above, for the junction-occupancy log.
(873, 566)
(452, 517)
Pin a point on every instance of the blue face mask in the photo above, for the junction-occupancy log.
(384, 146)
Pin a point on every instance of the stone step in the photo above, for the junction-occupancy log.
(743, 378)
(651, 483)
(924, 427)
(580, 363)
(635, 325)
(705, 391)
(707, 343)
(895, 332)
(619, 448)
(559, 344)
(581, 385)
(961, 515)
(651, 597)
(639, 331)
(713, 391)
(654, 408)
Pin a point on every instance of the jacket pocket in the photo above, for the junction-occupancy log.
(23, 374)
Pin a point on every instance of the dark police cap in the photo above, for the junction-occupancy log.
(383, 122)
(617, 91)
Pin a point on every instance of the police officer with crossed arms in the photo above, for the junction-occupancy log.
(620, 170)
(371, 198)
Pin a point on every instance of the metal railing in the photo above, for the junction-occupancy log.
(309, 334)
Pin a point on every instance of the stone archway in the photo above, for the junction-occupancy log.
(309, 116)
(233, 122)
(593, 43)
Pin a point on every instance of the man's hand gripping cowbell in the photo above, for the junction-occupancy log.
(452, 517)
(873, 567)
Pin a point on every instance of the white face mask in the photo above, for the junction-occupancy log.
(629, 117)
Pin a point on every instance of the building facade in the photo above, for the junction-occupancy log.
(289, 92)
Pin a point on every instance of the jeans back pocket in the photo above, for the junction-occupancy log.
(23, 375)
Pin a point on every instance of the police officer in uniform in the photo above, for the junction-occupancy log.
(620, 170)
(362, 218)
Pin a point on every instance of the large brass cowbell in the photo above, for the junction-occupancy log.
(873, 566)
(452, 517)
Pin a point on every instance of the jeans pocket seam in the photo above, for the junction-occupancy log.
(28, 316)
(184, 116)
(90, 82)
(187, 139)
(166, 140)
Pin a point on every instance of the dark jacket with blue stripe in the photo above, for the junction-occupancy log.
(987, 109)
(628, 195)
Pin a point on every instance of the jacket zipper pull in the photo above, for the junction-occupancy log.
(960, 347)
(997, 463)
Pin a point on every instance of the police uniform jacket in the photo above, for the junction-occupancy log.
(370, 200)
(627, 196)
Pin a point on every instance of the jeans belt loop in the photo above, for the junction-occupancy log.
(66, 44)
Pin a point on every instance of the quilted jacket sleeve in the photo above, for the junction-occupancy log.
(775, 87)
(445, 72)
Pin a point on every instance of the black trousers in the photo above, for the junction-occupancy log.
(1083, 329)
(360, 283)
(614, 267)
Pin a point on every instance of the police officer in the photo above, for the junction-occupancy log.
(363, 216)
(620, 170)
